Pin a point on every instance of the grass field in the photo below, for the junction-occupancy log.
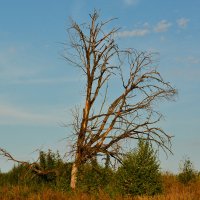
(173, 190)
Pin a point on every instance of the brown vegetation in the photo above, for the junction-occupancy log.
(173, 190)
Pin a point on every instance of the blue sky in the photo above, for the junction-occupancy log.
(38, 88)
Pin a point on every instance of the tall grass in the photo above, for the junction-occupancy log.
(173, 190)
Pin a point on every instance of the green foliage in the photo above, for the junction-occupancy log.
(49, 161)
(42, 160)
(64, 176)
(94, 177)
(188, 173)
(58, 178)
(15, 176)
(139, 173)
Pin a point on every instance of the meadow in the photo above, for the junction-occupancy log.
(138, 178)
(173, 190)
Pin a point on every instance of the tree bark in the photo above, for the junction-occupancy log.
(128, 115)
(74, 176)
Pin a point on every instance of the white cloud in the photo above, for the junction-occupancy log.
(134, 33)
(131, 2)
(162, 38)
(189, 60)
(162, 26)
(186, 74)
(146, 25)
(193, 60)
(10, 114)
(146, 28)
(12, 65)
(15, 69)
(182, 22)
(48, 81)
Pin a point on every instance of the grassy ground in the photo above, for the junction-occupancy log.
(173, 190)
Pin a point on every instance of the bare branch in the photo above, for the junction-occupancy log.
(104, 125)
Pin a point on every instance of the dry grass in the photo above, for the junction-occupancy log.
(173, 191)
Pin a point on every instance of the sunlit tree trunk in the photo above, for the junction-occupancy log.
(74, 174)
(104, 123)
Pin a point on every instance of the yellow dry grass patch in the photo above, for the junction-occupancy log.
(173, 190)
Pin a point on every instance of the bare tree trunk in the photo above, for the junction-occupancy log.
(128, 115)
(74, 173)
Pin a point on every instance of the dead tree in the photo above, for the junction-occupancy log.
(102, 125)
(31, 167)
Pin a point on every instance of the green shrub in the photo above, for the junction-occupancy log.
(94, 177)
(23, 175)
(17, 175)
(139, 173)
(188, 173)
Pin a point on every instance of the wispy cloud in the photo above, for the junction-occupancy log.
(10, 114)
(131, 2)
(13, 65)
(182, 22)
(189, 70)
(193, 60)
(134, 33)
(185, 74)
(162, 26)
(145, 29)
(189, 60)
(47, 81)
